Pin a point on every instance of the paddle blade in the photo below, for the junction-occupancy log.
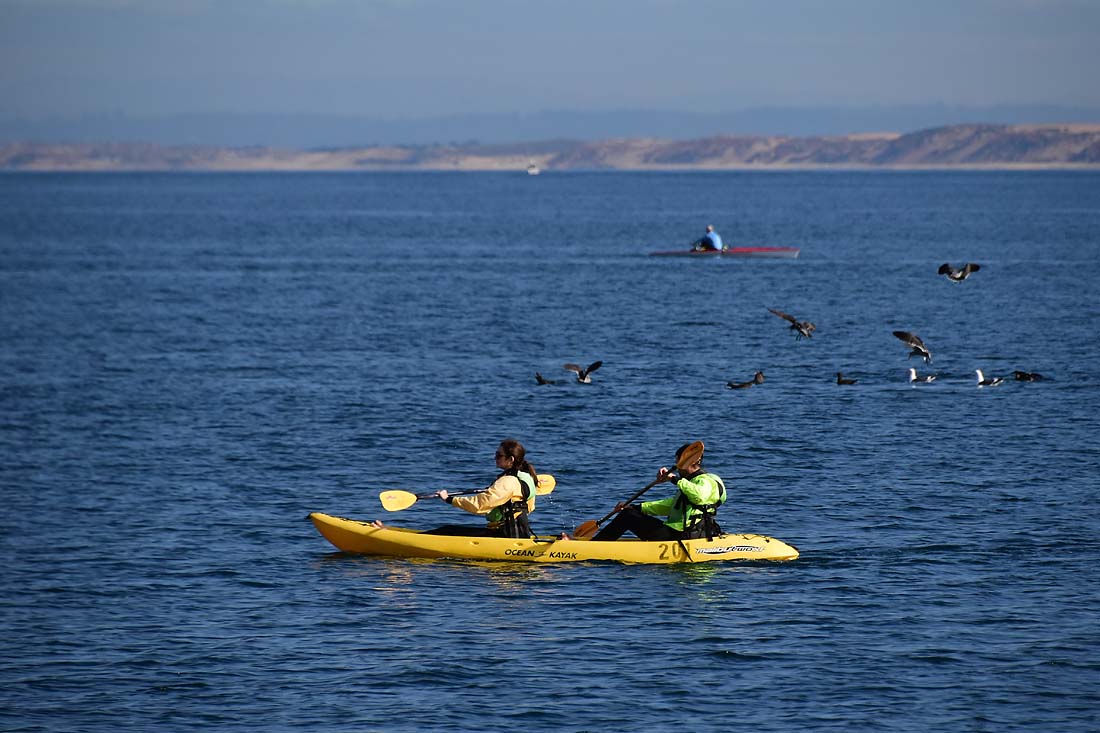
(546, 484)
(586, 530)
(395, 500)
(691, 454)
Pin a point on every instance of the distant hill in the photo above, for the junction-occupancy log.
(1046, 145)
(316, 130)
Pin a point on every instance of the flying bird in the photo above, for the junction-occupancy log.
(841, 379)
(583, 375)
(922, 378)
(983, 381)
(757, 378)
(543, 380)
(960, 274)
(801, 328)
(913, 341)
(1028, 376)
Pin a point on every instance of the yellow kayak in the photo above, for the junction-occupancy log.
(350, 535)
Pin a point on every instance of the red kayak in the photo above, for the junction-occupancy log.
(784, 252)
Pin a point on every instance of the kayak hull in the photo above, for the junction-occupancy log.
(359, 537)
(773, 252)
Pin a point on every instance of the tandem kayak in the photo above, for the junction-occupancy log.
(354, 536)
(780, 252)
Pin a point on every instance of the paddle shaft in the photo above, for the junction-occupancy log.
(592, 526)
(430, 494)
(615, 511)
(690, 454)
(397, 499)
(544, 484)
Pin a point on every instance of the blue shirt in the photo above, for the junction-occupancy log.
(715, 240)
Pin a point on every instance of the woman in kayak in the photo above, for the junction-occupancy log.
(690, 510)
(505, 504)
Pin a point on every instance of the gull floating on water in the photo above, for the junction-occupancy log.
(841, 379)
(925, 378)
(1028, 376)
(583, 374)
(988, 382)
(801, 328)
(757, 378)
(960, 274)
(917, 346)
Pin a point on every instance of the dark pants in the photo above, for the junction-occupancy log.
(520, 528)
(646, 527)
(643, 526)
(462, 530)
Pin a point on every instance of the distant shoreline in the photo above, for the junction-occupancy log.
(958, 147)
(1003, 168)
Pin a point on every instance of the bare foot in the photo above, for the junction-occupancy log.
(377, 524)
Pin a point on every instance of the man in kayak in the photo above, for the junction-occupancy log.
(710, 241)
(690, 510)
(507, 502)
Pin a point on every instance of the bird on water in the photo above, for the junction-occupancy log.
(920, 378)
(757, 378)
(984, 381)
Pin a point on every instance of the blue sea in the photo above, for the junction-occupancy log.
(190, 363)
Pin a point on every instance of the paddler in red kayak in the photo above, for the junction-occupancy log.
(710, 241)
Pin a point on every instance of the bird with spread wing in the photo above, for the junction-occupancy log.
(583, 375)
(801, 328)
(913, 341)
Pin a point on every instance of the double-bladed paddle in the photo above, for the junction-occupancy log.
(691, 454)
(395, 500)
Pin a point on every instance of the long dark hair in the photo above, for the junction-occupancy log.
(515, 450)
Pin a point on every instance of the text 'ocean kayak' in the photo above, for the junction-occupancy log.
(350, 535)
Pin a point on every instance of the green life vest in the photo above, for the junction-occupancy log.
(511, 510)
(686, 516)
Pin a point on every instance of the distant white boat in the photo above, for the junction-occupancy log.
(533, 170)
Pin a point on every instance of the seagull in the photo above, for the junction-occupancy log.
(841, 379)
(960, 274)
(757, 378)
(583, 374)
(990, 382)
(801, 328)
(914, 342)
(543, 380)
(1028, 376)
(913, 377)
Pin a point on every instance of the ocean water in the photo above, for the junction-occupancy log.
(189, 364)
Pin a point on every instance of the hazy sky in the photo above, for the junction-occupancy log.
(402, 58)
